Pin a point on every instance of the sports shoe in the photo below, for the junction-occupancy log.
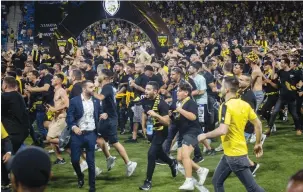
(202, 174)
(122, 132)
(299, 132)
(83, 167)
(253, 138)
(189, 184)
(273, 129)
(60, 162)
(181, 169)
(51, 151)
(220, 148)
(174, 168)
(263, 137)
(198, 159)
(110, 162)
(146, 186)
(98, 171)
(200, 188)
(131, 141)
(174, 147)
(254, 168)
(210, 152)
(160, 162)
(130, 168)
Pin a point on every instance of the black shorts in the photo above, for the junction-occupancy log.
(107, 129)
(187, 139)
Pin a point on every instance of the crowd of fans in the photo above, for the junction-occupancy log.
(247, 21)
(112, 31)
(27, 25)
(116, 64)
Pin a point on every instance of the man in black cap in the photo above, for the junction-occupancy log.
(30, 170)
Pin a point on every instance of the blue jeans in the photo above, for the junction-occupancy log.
(259, 97)
(240, 166)
(88, 141)
(292, 110)
(40, 115)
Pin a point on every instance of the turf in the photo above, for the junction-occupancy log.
(283, 156)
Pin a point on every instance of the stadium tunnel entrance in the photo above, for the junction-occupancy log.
(137, 13)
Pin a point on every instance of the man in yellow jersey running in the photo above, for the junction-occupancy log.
(233, 115)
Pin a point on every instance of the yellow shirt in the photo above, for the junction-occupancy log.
(235, 113)
(165, 68)
(4, 134)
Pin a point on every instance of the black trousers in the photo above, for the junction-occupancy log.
(122, 114)
(268, 105)
(156, 152)
(292, 108)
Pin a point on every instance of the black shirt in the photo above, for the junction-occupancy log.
(48, 96)
(248, 96)
(90, 75)
(209, 78)
(163, 108)
(187, 126)
(14, 115)
(268, 88)
(189, 50)
(207, 50)
(109, 103)
(217, 49)
(173, 92)
(141, 81)
(76, 90)
(19, 60)
(157, 79)
(287, 84)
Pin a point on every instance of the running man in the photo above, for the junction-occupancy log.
(233, 115)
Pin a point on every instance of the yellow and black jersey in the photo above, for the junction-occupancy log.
(235, 113)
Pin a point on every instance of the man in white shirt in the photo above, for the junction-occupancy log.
(82, 117)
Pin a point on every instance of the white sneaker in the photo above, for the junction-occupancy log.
(130, 168)
(202, 174)
(98, 171)
(61, 149)
(274, 129)
(219, 148)
(263, 137)
(181, 169)
(83, 167)
(174, 147)
(51, 151)
(110, 162)
(253, 138)
(189, 185)
(199, 187)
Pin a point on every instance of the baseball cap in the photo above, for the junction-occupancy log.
(42, 66)
(31, 167)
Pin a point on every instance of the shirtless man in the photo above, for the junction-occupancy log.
(122, 49)
(172, 53)
(257, 80)
(257, 75)
(58, 123)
